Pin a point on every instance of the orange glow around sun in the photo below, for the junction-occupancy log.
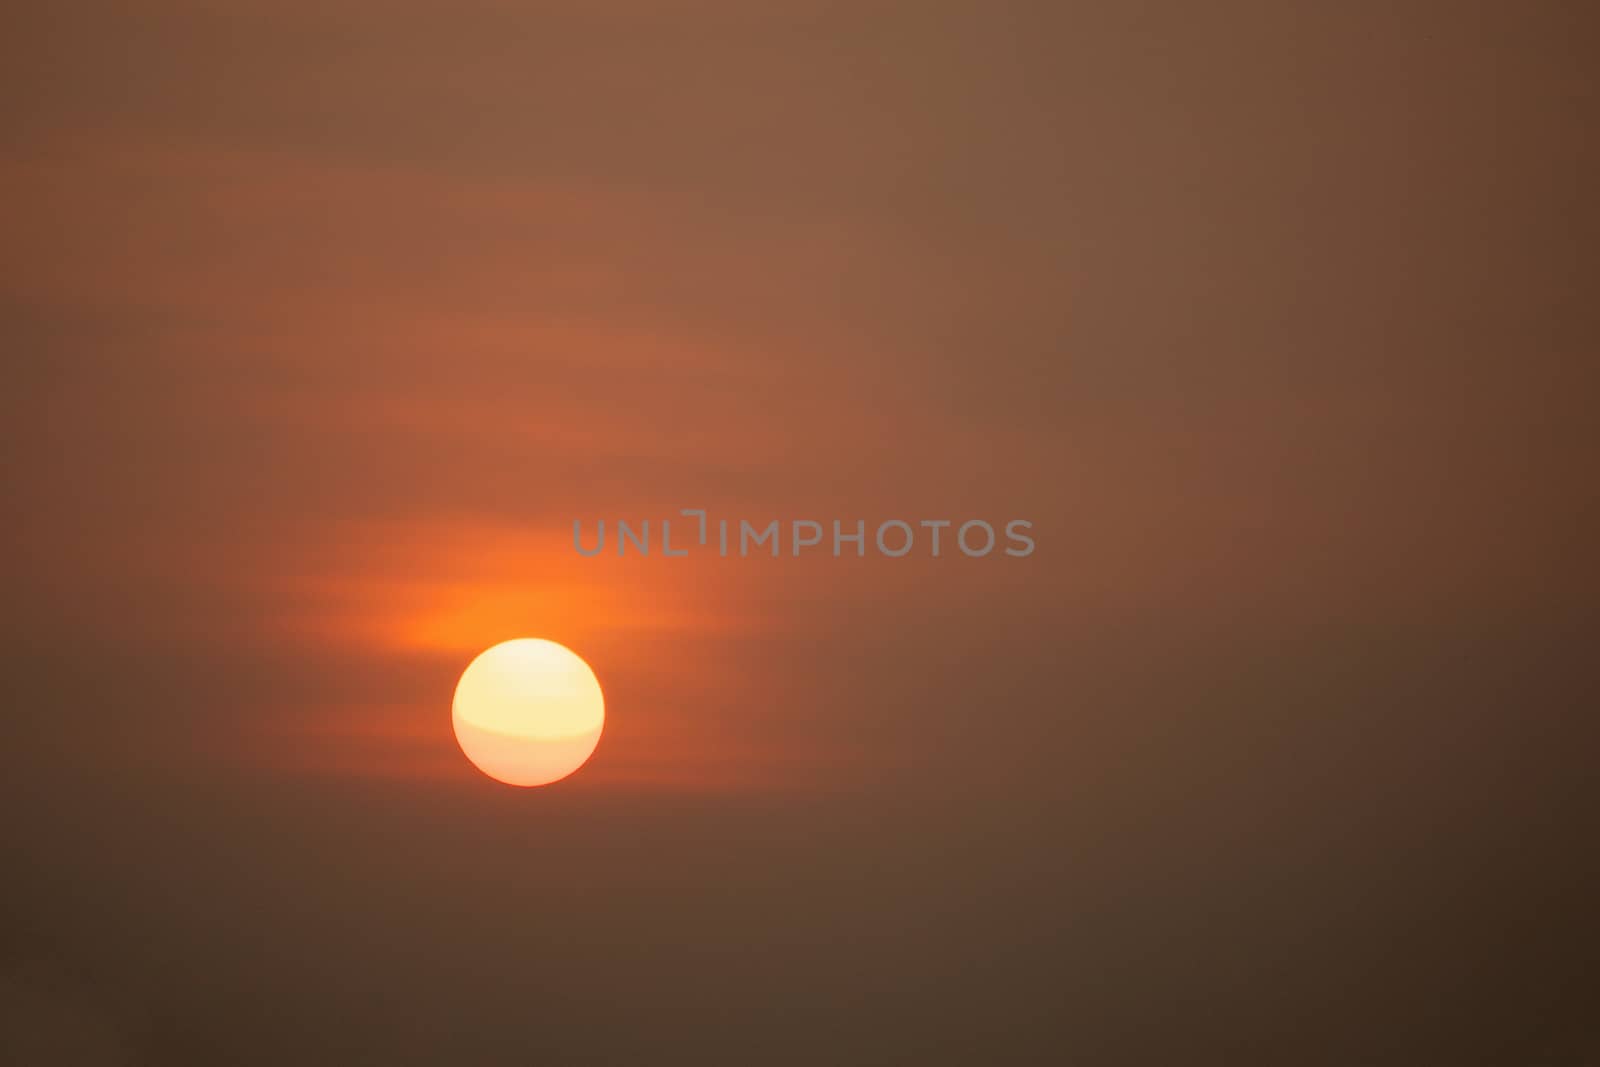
(428, 596)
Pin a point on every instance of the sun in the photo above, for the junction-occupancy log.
(528, 712)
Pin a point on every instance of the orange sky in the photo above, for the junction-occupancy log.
(324, 321)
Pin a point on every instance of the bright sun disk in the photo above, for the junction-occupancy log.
(528, 712)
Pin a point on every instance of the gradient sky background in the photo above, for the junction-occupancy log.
(323, 321)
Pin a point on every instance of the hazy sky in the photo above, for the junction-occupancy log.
(323, 322)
